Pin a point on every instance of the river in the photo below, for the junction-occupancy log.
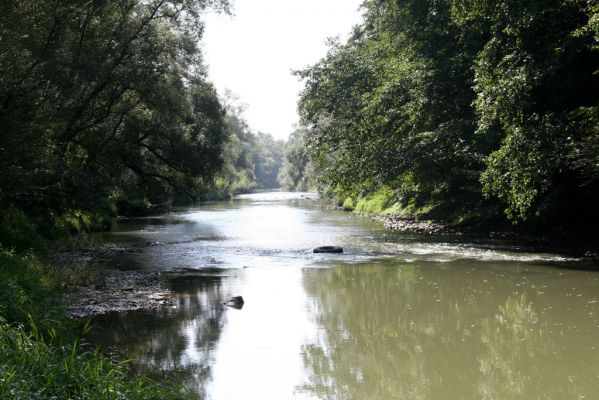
(396, 316)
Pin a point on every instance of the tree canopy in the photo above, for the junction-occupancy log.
(486, 104)
(101, 98)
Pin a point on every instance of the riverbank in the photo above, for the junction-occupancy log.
(564, 244)
(118, 291)
(479, 222)
(102, 289)
(411, 225)
(42, 354)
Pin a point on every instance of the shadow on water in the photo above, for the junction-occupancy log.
(177, 340)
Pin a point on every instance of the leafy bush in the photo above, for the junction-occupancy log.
(35, 363)
(348, 204)
(133, 207)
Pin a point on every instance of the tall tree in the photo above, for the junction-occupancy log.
(98, 97)
(476, 103)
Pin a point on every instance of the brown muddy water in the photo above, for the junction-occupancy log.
(397, 316)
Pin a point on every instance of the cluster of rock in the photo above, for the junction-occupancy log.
(120, 291)
(407, 224)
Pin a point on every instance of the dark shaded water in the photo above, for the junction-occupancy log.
(397, 316)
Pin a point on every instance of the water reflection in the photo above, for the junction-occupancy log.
(178, 339)
(513, 352)
(428, 332)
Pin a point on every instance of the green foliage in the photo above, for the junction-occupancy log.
(534, 76)
(99, 100)
(17, 231)
(39, 359)
(32, 367)
(133, 207)
(348, 204)
(75, 275)
(521, 169)
(251, 161)
(297, 172)
(392, 103)
(268, 159)
(477, 102)
(73, 222)
(24, 233)
(104, 98)
(25, 291)
(376, 202)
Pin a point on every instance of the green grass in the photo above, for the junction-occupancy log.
(19, 232)
(376, 202)
(26, 293)
(26, 233)
(33, 367)
(384, 201)
(40, 352)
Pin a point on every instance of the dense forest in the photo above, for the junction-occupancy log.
(461, 110)
(297, 171)
(105, 107)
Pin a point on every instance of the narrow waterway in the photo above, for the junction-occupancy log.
(397, 316)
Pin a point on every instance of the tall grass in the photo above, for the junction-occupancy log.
(33, 366)
(41, 356)
(26, 293)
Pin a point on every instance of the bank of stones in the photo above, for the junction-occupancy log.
(119, 291)
(406, 224)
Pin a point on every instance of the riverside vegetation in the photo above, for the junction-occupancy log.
(454, 110)
(105, 109)
(462, 111)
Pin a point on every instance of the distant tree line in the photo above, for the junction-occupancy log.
(251, 160)
(462, 108)
(297, 172)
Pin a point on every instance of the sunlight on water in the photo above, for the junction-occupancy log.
(397, 316)
(270, 328)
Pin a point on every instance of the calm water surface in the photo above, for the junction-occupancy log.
(397, 316)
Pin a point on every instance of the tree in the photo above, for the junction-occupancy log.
(251, 161)
(104, 98)
(479, 104)
(297, 171)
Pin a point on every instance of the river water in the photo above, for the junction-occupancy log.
(397, 316)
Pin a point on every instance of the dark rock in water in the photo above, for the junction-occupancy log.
(235, 302)
(328, 249)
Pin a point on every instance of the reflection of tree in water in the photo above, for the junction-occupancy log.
(512, 339)
(369, 349)
(393, 332)
(177, 339)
